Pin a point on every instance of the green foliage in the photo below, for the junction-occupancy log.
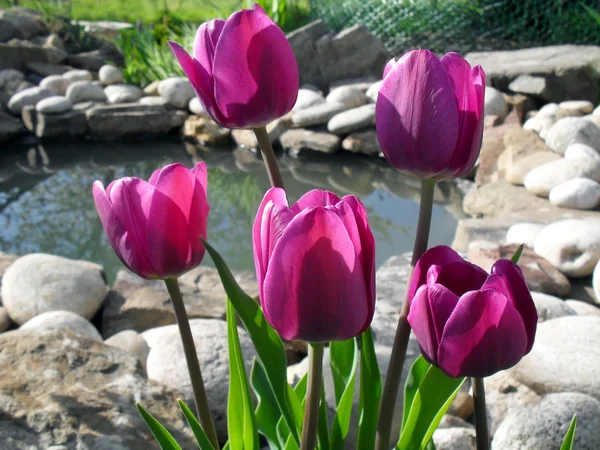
(570, 436)
(199, 434)
(370, 392)
(288, 14)
(344, 360)
(162, 436)
(592, 12)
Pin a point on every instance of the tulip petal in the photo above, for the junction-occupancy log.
(261, 232)
(315, 197)
(484, 334)
(255, 71)
(439, 255)
(458, 276)
(507, 278)
(315, 291)
(198, 214)
(205, 41)
(429, 311)
(389, 66)
(417, 116)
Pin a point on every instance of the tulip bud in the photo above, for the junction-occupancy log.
(243, 69)
(469, 323)
(315, 265)
(430, 114)
(155, 227)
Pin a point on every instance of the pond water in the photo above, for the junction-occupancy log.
(46, 203)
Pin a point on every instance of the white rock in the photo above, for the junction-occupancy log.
(577, 151)
(373, 91)
(176, 91)
(132, 342)
(596, 282)
(577, 106)
(550, 307)
(38, 283)
(596, 111)
(578, 193)
(349, 96)
(55, 83)
(352, 119)
(152, 100)
(307, 98)
(63, 319)
(544, 178)
(27, 97)
(166, 363)
(495, 103)
(54, 105)
(540, 123)
(122, 93)
(572, 246)
(454, 439)
(572, 130)
(78, 75)
(196, 107)
(85, 91)
(523, 233)
(549, 109)
(110, 75)
(583, 308)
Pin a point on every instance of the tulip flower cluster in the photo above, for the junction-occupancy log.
(315, 260)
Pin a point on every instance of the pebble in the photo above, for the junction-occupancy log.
(196, 107)
(63, 319)
(373, 91)
(152, 100)
(544, 178)
(110, 75)
(122, 93)
(596, 282)
(576, 151)
(85, 91)
(523, 233)
(540, 123)
(57, 84)
(352, 120)
(78, 75)
(349, 96)
(307, 98)
(578, 193)
(517, 171)
(550, 307)
(572, 130)
(579, 107)
(56, 104)
(317, 114)
(454, 439)
(495, 103)
(176, 91)
(132, 342)
(583, 308)
(596, 111)
(27, 97)
(549, 109)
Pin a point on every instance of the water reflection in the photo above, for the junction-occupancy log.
(46, 203)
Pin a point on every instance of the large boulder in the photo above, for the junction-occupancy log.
(62, 389)
(303, 42)
(16, 54)
(49, 125)
(562, 72)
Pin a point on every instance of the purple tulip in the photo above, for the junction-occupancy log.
(430, 114)
(315, 265)
(469, 323)
(243, 69)
(155, 226)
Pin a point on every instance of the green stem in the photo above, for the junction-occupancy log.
(191, 358)
(313, 397)
(392, 379)
(481, 426)
(264, 143)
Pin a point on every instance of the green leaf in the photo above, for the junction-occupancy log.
(370, 392)
(162, 436)
(517, 255)
(413, 381)
(344, 359)
(267, 411)
(300, 388)
(241, 423)
(323, 426)
(267, 342)
(592, 12)
(430, 402)
(570, 436)
(199, 434)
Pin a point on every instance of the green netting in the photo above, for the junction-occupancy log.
(465, 25)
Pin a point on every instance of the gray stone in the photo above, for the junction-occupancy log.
(57, 84)
(373, 91)
(550, 307)
(495, 103)
(195, 106)
(166, 363)
(204, 130)
(544, 178)
(247, 138)
(71, 123)
(176, 91)
(364, 142)
(138, 304)
(530, 85)
(596, 282)
(152, 89)
(45, 69)
(303, 41)
(10, 127)
(349, 96)
(5, 322)
(578, 193)
(153, 100)
(132, 342)
(93, 60)
(317, 115)
(122, 93)
(583, 308)
(114, 121)
(523, 233)
(110, 75)
(307, 98)
(352, 120)
(16, 54)
(517, 172)
(353, 52)
(297, 141)
(62, 389)
(571, 71)
(38, 283)
(498, 198)
(54, 105)
(63, 319)
(540, 124)
(454, 439)
(10, 80)
(549, 109)
(572, 246)
(27, 25)
(572, 130)
(544, 426)
(78, 75)
(8, 31)
(85, 91)
(450, 421)
(27, 97)
(577, 107)
(577, 151)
